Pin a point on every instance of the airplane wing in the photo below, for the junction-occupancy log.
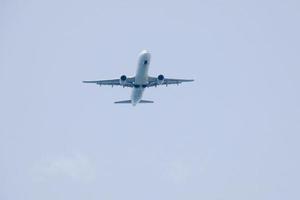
(113, 82)
(167, 81)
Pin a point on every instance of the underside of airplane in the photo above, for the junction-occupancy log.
(140, 81)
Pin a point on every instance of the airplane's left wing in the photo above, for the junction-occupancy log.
(113, 82)
(153, 81)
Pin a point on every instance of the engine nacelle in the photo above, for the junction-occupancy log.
(160, 79)
(123, 79)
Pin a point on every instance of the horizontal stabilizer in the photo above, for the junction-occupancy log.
(129, 101)
(126, 101)
(146, 101)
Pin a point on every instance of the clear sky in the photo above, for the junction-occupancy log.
(232, 134)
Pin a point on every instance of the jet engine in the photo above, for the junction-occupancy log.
(123, 79)
(160, 79)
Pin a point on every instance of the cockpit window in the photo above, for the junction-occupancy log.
(145, 62)
(137, 86)
(144, 86)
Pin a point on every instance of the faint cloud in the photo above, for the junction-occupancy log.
(178, 172)
(181, 172)
(76, 168)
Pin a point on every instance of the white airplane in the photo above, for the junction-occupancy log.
(140, 81)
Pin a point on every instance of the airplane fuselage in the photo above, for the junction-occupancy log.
(140, 81)
(141, 77)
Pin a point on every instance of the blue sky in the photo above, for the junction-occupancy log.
(231, 134)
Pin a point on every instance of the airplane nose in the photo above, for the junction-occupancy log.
(144, 52)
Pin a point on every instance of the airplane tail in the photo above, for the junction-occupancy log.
(146, 101)
(129, 101)
(126, 101)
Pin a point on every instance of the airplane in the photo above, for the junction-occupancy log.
(140, 81)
